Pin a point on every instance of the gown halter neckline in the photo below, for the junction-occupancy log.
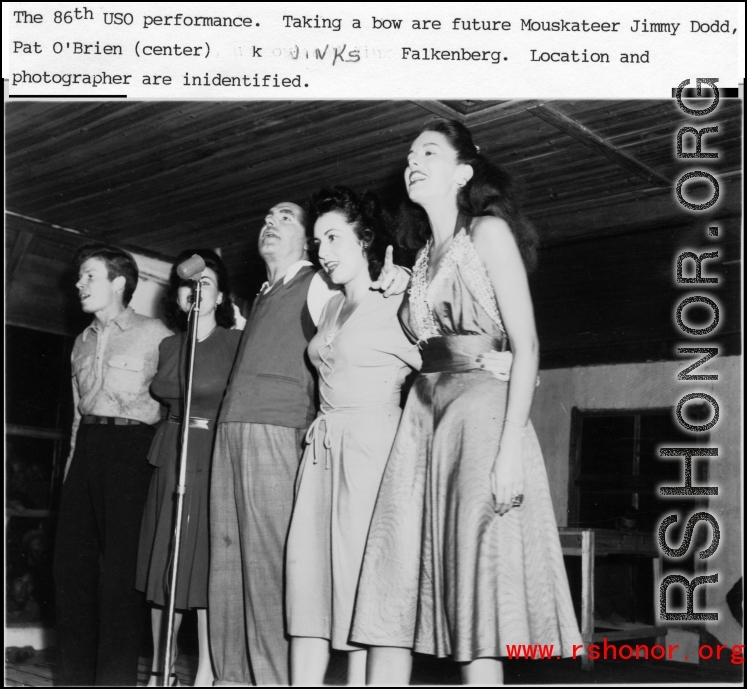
(461, 256)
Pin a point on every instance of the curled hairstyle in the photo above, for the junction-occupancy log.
(365, 215)
(490, 191)
(224, 313)
(118, 263)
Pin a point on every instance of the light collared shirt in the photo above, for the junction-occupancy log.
(113, 368)
(320, 291)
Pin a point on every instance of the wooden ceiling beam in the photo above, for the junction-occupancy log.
(436, 107)
(500, 111)
(589, 138)
(27, 226)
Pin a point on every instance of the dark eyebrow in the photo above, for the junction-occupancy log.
(428, 143)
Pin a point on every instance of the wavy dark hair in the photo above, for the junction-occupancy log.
(490, 191)
(118, 263)
(364, 213)
(224, 313)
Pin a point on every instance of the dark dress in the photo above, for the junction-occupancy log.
(213, 362)
(443, 573)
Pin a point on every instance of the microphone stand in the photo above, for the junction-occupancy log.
(181, 482)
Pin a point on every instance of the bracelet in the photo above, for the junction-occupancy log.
(516, 423)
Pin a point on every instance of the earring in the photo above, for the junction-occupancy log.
(364, 245)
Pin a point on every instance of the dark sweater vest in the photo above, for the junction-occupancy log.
(272, 380)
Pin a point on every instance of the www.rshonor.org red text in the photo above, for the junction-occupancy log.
(608, 651)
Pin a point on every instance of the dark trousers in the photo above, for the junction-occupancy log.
(100, 615)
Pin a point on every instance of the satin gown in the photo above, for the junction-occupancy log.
(443, 573)
(362, 365)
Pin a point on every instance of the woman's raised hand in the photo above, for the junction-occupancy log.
(392, 279)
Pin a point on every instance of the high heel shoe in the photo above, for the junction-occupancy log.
(173, 679)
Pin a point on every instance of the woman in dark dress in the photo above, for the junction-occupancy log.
(215, 352)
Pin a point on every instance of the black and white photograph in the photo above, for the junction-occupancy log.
(325, 391)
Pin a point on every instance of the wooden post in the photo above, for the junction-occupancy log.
(587, 594)
(661, 640)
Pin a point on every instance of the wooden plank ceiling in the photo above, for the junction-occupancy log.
(160, 177)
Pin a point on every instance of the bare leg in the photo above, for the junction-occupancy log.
(309, 659)
(205, 674)
(157, 619)
(483, 671)
(357, 668)
(389, 666)
(156, 616)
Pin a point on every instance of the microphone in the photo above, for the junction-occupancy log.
(192, 267)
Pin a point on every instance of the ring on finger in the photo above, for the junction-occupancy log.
(517, 499)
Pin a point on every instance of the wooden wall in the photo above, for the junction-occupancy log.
(655, 386)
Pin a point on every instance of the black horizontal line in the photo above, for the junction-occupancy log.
(72, 95)
(706, 92)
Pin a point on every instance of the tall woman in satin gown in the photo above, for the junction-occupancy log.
(463, 556)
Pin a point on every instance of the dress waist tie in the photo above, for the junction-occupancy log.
(316, 437)
(320, 438)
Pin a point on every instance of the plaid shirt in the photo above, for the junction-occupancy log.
(113, 368)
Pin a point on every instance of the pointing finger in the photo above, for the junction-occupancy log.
(388, 259)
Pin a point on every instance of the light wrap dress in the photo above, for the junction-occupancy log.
(362, 366)
(444, 573)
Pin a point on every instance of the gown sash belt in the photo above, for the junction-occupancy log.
(456, 353)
